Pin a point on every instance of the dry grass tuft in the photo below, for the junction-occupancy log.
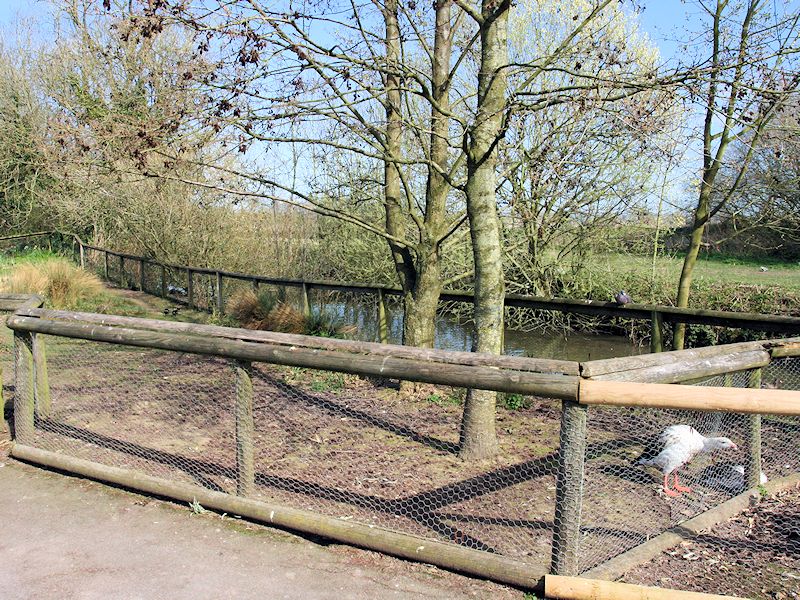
(62, 283)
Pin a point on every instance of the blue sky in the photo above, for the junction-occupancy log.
(660, 18)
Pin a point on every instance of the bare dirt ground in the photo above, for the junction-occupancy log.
(755, 554)
(65, 537)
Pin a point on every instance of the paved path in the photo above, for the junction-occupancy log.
(64, 537)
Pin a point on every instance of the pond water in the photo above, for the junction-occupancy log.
(453, 335)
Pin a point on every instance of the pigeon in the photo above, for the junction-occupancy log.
(622, 298)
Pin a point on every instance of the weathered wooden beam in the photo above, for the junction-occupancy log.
(245, 469)
(82, 254)
(163, 281)
(105, 265)
(689, 397)
(692, 369)
(517, 363)
(122, 283)
(481, 377)
(449, 556)
(569, 489)
(595, 368)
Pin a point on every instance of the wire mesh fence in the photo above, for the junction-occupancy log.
(359, 449)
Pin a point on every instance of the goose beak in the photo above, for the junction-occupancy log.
(735, 447)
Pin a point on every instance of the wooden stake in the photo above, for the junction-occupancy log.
(189, 288)
(752, 469)
(656, 332)
(105, 265)
(41, 388)
(569, 489)
(220, 298)
(245, 470)
(383, 319)
(163, 281)
(122, 283)
(24, 402)
(306, 302)
(141, 275)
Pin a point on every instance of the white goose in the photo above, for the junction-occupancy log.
(677, 446)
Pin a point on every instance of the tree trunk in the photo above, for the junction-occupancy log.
(685, 281)
(419, 272)
(478, 437)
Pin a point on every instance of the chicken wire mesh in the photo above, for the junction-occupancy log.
(355, 449)
(627, 500)
(339, 445)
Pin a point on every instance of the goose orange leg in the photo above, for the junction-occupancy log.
(667, 490)
(679, 487)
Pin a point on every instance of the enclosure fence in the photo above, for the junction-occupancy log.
(313, 434)
(208, 289)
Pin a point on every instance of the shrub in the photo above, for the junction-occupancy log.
(63, 284)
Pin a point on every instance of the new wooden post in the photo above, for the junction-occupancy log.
(141, 275)
(306, 301)
(752, 470)
(24, 403)
(105, 265)
(163, 281)
(656, 332)
(383, 319)
(220, 298)
(189, 288)
(569, 489)
(41, 389)
(245, 470)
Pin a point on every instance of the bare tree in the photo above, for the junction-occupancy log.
(751, 74)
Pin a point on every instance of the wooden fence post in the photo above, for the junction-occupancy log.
(122, 283)
(752, 470)
(306, 302)
(189, 288)
(245, 469)
(656, 332)
(254, 283)
(24, 403)
(569, 489)
(105, 265)
(220, 298)
(383, 319)
(41, 389)
(141, 275)
(83, 256)
(163, 281)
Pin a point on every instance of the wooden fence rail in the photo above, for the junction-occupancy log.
(657, 315)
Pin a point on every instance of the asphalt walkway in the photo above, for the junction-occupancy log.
(65, 537)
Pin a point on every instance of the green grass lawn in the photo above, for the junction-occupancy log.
(724, 270)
